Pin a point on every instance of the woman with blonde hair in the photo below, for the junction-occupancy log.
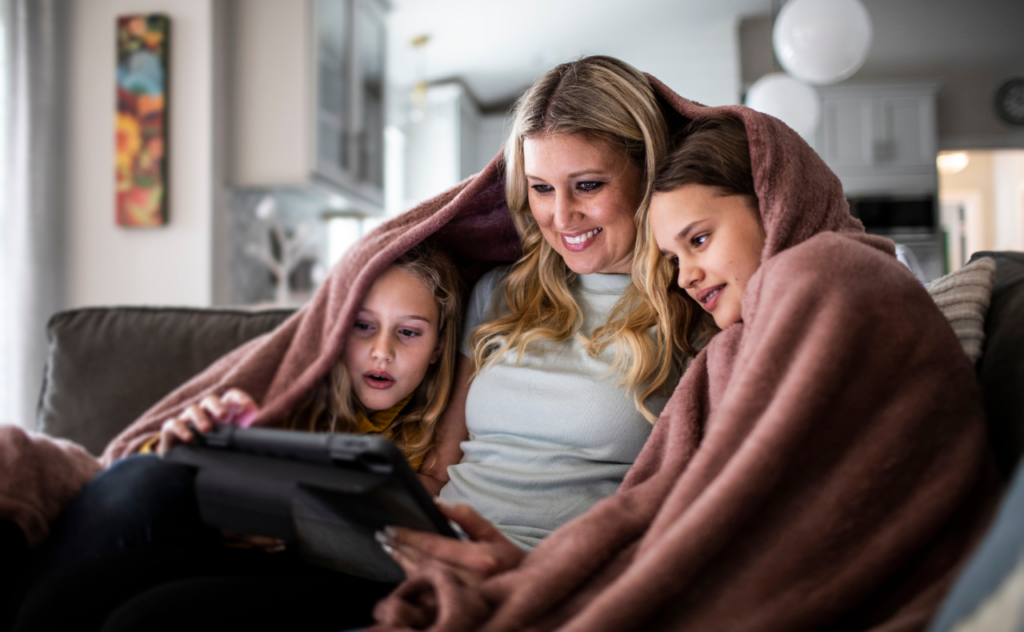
(564, 366)
(566, 363)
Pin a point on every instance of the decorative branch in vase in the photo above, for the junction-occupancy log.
(281, 252)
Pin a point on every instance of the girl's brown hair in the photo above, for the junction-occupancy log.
(606, 101)
(333, 408)
(710, 152)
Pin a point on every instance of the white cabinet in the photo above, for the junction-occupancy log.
(880, 138)
(307, 97)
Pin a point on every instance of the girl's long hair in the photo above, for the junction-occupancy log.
(710, 152)
(609, 102)
(333, 407)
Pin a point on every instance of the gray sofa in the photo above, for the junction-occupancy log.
(107, 365)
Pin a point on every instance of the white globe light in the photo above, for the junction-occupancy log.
(794, 103)
(822, 41)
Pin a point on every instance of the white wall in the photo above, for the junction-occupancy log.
(433, 147)
(1008, 198)
(112, 265)
(491, 131)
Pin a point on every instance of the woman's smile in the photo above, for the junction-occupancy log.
(577, 242)
(584, 194)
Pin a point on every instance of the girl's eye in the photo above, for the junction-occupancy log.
(362, 327)
(589, 186)
(699, 240)
(408, 333)
(542, 188)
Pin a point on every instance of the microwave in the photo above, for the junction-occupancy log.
(885, 215)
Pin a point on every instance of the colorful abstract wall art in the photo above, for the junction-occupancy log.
(141, 159)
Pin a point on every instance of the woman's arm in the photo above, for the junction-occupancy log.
(451, 431)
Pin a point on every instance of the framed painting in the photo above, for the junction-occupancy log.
(141, 123)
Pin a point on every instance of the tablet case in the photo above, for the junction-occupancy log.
(327, 492)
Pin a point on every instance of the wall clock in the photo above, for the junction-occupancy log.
(1009, 101)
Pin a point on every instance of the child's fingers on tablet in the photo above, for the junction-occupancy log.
(241, 407)
(173, 431)
(212, 405)
(198, 417)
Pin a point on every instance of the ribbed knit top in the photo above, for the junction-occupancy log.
(550, 437)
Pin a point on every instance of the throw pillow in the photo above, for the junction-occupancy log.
(963, 297)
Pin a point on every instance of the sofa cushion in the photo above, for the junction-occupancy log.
(106, 366)
(1001, 368)
(963, 298)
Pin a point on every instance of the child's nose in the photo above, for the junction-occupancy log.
(381, 348)
(689, 275)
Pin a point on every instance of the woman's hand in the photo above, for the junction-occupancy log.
(487, 553)
(235, 406)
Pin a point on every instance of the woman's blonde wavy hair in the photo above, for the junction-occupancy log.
(333, 407)
(609, 102)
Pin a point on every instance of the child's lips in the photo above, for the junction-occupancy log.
(708, 298)
(378, 379)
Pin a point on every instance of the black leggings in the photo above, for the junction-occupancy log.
(15, 554)
(130, 552)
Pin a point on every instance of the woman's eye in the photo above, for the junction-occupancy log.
(542, 188)
(589, 186)
(699, 240)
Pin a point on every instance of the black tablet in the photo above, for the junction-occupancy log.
(329, 493)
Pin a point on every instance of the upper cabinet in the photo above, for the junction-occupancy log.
(307, 97)
(880, 138)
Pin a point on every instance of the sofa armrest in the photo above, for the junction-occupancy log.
(106, 366)
(1001, 367)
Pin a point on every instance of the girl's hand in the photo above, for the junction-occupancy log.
(235, 407)
(487, 553)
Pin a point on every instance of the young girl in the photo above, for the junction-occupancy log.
(394, 376)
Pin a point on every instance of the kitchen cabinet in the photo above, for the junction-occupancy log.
(880, 138)
(307, 98)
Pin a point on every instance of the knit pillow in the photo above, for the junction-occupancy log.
(963, 298)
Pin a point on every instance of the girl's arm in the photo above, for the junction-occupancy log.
(451, 431)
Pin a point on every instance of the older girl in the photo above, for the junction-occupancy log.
(823, 464)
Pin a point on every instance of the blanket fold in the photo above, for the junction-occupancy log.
(821, 466)
(38, 476)
(471, 221)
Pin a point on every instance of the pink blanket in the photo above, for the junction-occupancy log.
(38, 476)
(822, 465)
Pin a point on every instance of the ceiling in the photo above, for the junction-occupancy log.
(498, 47)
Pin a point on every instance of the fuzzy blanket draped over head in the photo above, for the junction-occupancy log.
(822, 465)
